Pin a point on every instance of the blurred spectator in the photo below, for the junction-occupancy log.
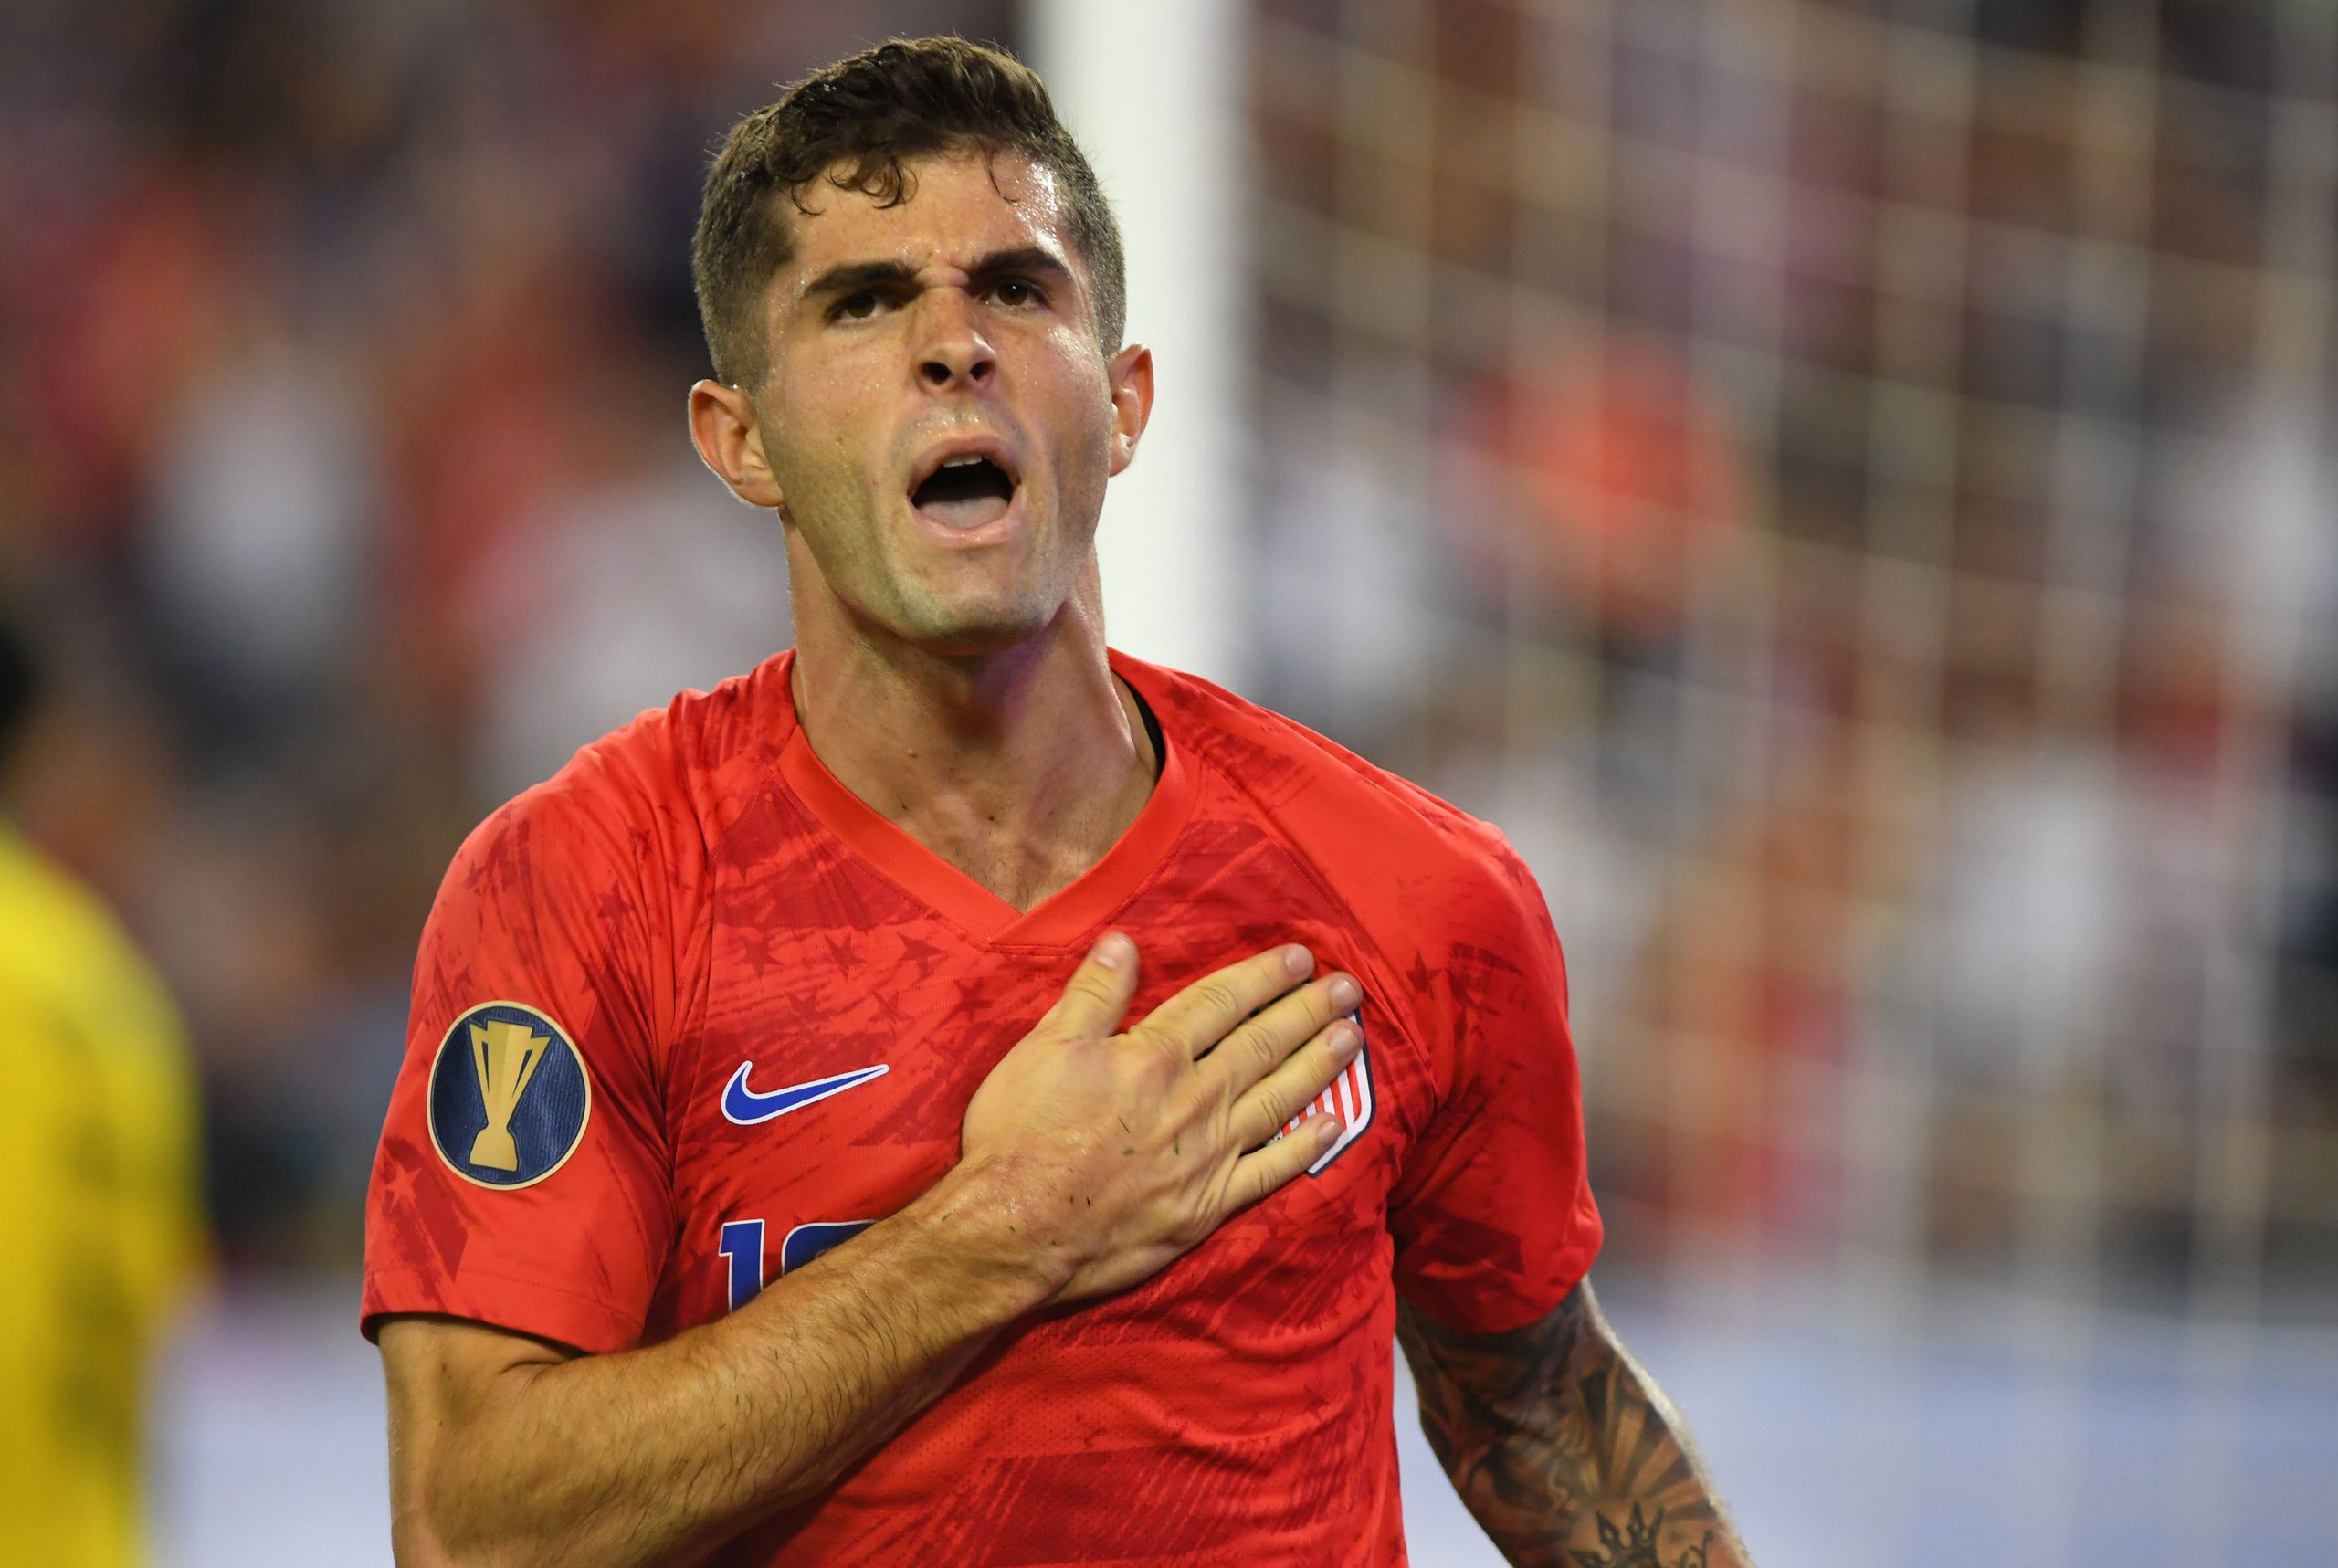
(99, 1215)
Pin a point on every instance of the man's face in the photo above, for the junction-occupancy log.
(939, 419)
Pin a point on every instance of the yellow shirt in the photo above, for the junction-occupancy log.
(99, 1228)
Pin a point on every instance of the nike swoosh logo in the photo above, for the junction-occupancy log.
(745, 1108)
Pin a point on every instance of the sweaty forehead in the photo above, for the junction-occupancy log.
(954, 208)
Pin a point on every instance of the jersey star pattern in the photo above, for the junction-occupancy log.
(782, 1003)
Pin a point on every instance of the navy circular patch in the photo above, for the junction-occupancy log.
(509, 1096)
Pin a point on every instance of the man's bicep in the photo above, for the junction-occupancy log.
(460, 1352)
(441, 1371)
(441, 1375)
(1473, 1386)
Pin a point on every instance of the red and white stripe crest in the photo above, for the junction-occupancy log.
(1349, 1098)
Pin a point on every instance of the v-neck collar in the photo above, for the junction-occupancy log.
(1068, 916)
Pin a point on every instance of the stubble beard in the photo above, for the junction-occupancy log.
(870, 571)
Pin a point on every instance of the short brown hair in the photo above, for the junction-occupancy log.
(862, 118)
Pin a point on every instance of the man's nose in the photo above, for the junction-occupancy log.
(954, 353)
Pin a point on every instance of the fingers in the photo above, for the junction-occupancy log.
(1257, 1174)
(1286, 1091)
(1097, 998)
(1264, 1041)
(1206, 1011)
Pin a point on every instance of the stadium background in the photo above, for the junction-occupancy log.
(1848, 486)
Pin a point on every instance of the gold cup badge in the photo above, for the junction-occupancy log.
(487, 1060)
(504, 1057)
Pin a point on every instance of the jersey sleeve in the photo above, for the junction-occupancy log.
(1492, 1213)
(524, 1173)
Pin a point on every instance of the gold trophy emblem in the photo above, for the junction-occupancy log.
(505, 1056)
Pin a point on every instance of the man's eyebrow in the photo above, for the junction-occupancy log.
(851, 277)
(1020, 259)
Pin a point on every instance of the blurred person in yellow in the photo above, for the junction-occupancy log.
(99, 1213)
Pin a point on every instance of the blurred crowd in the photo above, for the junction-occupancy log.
(1848, 487)
(345, 485)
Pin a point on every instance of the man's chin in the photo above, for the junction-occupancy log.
(976, 631)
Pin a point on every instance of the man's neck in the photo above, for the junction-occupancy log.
(1021, 768)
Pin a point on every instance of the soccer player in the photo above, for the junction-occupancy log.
(956, 1093)
(101, 1222)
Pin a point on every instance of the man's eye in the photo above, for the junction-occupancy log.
(859, 307)
(1015, 291)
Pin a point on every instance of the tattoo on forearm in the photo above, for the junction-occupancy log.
(1564, 1449)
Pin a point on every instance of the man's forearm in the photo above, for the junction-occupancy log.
(1562, 1447)
(635, 1457)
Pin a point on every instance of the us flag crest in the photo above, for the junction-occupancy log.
(1348, 1097)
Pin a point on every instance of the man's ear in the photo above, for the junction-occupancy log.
(1132, 377)
(724, 429)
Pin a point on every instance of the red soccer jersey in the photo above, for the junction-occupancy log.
(690, 1011)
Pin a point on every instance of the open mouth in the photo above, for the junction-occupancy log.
(965, 492)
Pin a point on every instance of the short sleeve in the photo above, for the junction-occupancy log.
(1492, 1213)
(524, 1175)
